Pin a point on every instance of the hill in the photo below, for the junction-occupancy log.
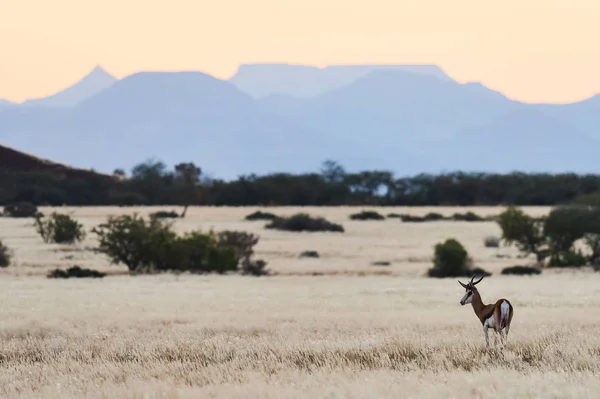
(93, 83)
(13, 161)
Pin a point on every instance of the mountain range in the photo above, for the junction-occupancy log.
(267, 118)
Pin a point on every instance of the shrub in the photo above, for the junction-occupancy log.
(255, 268)
(197, 252)
(303, 222)
(467, 217)
(524, 231)
(521, 270)
(381, 263)
(411, 218)
(367, 215)
(76, 272)
(259, 215)
(164, 215)
(60, 229)
(150, 246)
(433, 216)
(452, 260)
(568, 258)
(309, 254)
(241, 242)
(21, 210)
(5, 255)
(130, 240)
(394, 215)
(491, 242)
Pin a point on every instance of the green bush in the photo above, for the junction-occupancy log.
(381, 263)
(21, 210)
(164, 215)
(134, 242)
(406, 218)
(5, 255)
(367, 215)
(467, 217)
(521, 270)
(152, 246)
(76, 272)
(259, 215)
(433, 217)
(570, 258)
(526, 232)
(491, 242)
(242, 244)
(309, 254)
(303, 222)
(452, 260)
(59, 229)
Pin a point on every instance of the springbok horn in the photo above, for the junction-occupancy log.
(464, 285)
(477, 282)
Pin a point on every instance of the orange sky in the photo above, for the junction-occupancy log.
(531, 50)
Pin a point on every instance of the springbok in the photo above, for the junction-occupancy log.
(497, 316)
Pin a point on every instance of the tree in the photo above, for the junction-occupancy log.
(187, 177)
(524, 231)
(332, 171)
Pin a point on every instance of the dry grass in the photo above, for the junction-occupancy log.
(335, 336)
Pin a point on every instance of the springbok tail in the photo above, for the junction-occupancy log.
(504, 312)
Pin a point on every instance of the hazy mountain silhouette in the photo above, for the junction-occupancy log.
(170, 116)
(525, 139)
(260, 80)
(91, 84)
(387, 118)
(583, 115)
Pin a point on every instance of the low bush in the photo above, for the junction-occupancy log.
(243, 244)
(381, 263)
(21, 210)
(411, 218)
(467, 217)
(259, 215)
(367, 215)
(309, 254)
(5, 255)
(433, 217)
(452, 260)
(76, 272)
(59, 229)
(152, 246)
(570, 258)
(303, 222)
(254, 268)
(521, 270)
(164, 215)
(491, 242)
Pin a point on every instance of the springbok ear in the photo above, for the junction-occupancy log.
(463, 285)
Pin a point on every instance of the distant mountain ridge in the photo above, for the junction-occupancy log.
(93, 83)
(261, 80)
(406, 119)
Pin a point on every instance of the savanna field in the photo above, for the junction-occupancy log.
(336, 326)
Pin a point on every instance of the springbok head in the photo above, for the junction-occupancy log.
(470, 289)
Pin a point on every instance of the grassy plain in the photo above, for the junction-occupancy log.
(354, 330)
